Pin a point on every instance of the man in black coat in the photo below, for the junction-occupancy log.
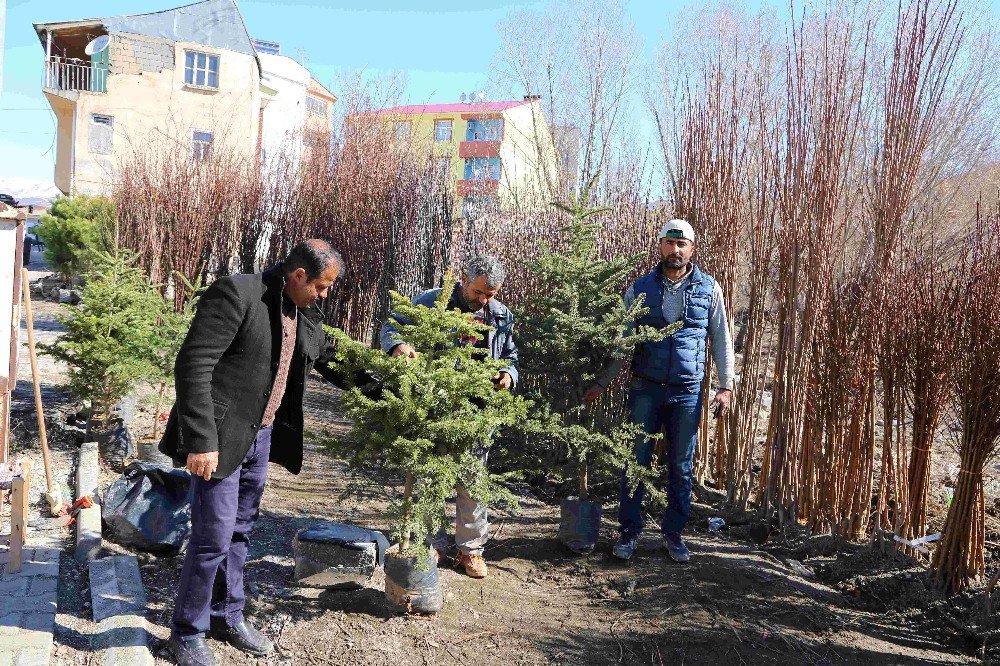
(240, 378)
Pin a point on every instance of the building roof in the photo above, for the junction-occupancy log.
(215, 23)
(460, 107)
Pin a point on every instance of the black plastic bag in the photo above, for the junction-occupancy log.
(149, 508)
(580, 524)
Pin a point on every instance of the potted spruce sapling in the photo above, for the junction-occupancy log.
(572, 330)
(108, 344)
(426, 425)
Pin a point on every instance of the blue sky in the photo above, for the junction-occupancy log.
(445, 51)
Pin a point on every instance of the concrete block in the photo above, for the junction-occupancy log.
(88, 521)
(320, 562)
(116, 587)
(118, 600)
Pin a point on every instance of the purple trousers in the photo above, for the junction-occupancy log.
(223, 511)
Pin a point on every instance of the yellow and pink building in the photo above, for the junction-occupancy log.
(492, 154)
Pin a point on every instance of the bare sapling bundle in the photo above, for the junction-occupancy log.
(927, 360)
(755, 337)
(822, 108)
(959, 559)
(182, 215)
(925, 45)
(710, 192)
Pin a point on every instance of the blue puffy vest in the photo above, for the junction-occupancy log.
(677, 360)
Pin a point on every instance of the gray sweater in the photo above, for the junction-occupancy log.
(673, 310)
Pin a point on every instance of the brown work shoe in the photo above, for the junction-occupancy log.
(473, 563)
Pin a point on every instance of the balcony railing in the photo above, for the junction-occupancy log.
(467, 149)
(73, 74)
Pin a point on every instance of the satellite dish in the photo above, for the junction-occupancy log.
(462, 97)
(97, 45)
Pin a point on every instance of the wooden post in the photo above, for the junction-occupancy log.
(49, 486)
(19, 518)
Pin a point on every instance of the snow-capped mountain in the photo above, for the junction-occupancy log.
(28, 191)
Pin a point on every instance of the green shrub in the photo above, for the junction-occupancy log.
(74, 231)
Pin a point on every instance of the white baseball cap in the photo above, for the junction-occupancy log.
(677, 229)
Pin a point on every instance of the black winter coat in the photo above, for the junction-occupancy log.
(225, 371)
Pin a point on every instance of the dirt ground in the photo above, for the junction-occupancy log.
(793, 600)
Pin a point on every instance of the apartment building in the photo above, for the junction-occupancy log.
(493, 154)
(298, 116)
(186, 79)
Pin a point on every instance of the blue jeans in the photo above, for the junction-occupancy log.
(223, 511)
(674, 411)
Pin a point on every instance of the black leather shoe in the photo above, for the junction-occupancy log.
(192, 652)
(242, 636)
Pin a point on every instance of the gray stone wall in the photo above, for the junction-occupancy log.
(135, 54)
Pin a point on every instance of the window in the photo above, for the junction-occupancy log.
(315, 105)
(101, 134)
(402, 132)
(201, 69)
(201, 144)
(442, 130)
(484, 129)
(443, 168)
(482, 168)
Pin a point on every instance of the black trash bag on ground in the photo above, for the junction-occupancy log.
(149, 508)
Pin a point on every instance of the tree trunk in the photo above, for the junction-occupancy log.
(407, 494)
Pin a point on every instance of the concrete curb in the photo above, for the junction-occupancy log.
(118, 600)
(88, 521)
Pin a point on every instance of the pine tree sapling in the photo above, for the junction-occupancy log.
(433, 417)
(110, 339)
(574, 328)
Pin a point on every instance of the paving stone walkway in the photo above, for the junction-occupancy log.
(28, 608)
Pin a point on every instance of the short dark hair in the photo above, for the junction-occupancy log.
(313, 255)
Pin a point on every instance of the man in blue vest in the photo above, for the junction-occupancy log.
(665, 392)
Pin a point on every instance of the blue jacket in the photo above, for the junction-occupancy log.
(677, 360)
(500, 339)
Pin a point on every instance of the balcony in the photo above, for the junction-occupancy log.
(467, 149)
(465, 188)
(72, 74)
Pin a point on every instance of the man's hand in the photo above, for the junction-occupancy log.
(203, 464)
(593, 393)
(404, 350)
(720, 403)
(502, 381)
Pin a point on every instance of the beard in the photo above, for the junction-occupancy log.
(674, 261)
